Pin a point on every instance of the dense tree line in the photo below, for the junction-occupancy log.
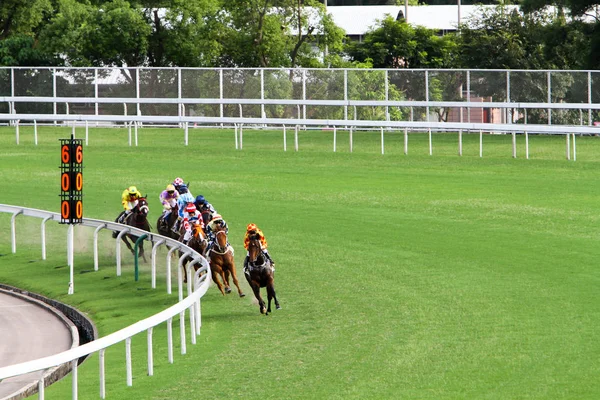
(286, 33)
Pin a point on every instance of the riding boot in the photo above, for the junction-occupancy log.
(266, 253)
(246, 271)
(175, 227)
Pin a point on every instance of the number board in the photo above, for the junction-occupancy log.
(71, 181)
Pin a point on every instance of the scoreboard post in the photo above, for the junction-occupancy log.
(71, 181)
(71, 193)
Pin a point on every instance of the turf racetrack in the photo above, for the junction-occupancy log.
(400, 276)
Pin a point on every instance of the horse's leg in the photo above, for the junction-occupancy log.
(225, 278)
(231, 270)
(261, 302)
(215, 278)
(271, 295)
(126, 241)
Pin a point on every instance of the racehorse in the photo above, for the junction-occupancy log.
(164, 226)
(138, 218)
(259, 273)
(199, 243)
(222, 263)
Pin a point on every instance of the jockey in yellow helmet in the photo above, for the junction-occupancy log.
(129, 199)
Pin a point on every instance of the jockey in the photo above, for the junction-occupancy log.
(184, 197)
(190, 218)
(129, 199)
(177, 182)
(252, 229)
(204, 207)
(168, 198)
(211, 227)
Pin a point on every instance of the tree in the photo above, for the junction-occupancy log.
(397, 44)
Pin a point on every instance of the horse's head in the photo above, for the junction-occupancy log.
(221, 235)
(198, 241)
(142, 206)
(255, 254)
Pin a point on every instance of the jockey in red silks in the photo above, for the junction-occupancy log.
(190, 219)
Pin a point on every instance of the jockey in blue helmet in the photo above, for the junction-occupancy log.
(205, 208)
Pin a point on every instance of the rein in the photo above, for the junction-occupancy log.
(217, 245)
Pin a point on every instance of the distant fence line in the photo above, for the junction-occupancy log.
(555, 97)
(196, 287)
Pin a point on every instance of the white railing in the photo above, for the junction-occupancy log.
(197, 285)
(569, 131)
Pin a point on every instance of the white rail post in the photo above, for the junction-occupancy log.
(118, 249)
(154, 249)
(480, 143)
(129, 131)
(17, 132)
(430, 142)
(180, 274)
(574, 149)
(182, 331)
(235, 132)
(128, 361)
(186, 133)
(35, 133)
(70, 257)
(170, 340)
(568, 147)
(44, 236)
(351, 141)
(284, 139)
(41, 388)
(102, 374)
(334, 138)
(192, 311)
(74, 376)
(460, 143)
(382, 146)
(135, 130)
(169, 253)
(73, 127)
(405, 141)
(96, 245)
(87, 131)
(150, 354)
(192, 308)
(526, 145)
(514, 144)
(241, 136)
(296, 138)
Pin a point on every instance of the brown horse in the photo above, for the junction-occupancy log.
(222, 263)
(138, 218)
(164, 226)
(198, 242)
(259, 273)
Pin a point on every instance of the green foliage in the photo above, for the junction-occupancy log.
(19, 50)
(114, 35)
(396, 44)
(22, 16)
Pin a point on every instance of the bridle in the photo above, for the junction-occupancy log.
(255, 243)
(217, 248)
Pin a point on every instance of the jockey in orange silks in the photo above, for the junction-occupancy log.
(252, 229)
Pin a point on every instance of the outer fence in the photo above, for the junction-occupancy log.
(197, 285)
(484, 87)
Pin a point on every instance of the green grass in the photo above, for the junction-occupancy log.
(400, 276)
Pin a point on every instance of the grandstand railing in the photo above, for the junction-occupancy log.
(197, 285)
